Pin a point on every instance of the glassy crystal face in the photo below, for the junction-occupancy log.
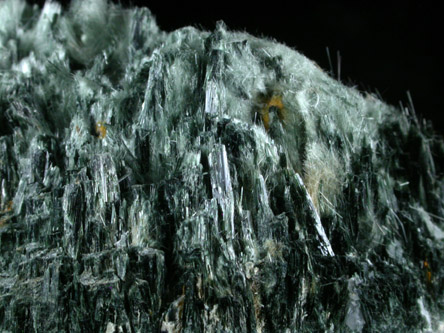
(203, 181)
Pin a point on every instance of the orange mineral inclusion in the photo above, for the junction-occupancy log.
(101, 129)
(428, 271)
(274, 101)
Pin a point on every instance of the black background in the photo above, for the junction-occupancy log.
(385, 48)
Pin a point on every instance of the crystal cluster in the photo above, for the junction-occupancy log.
(200, 181)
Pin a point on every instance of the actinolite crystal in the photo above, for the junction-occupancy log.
(200, 181)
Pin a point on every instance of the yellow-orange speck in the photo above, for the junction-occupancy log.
(8, 208)
(428, 271)
(273, 102)
(429, 276)
(101, 130)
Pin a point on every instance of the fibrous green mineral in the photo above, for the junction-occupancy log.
(199, 181)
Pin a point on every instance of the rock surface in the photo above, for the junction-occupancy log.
(200, 181)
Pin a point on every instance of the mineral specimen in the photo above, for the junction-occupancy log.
(200, 181)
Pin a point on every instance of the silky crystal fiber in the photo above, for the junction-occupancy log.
(199, 181)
